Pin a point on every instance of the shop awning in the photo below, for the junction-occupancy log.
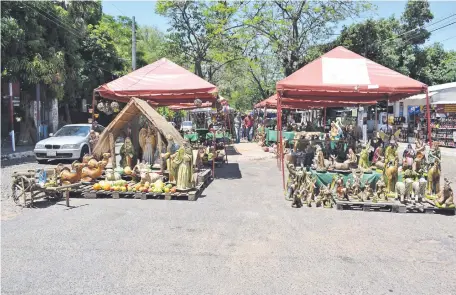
(162, 82)
(342, 75)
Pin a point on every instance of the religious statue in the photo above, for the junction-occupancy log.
(420, 148)
(147, 143)
(127, 153)
(324, 197)
(356, 184)
(93, 139)
(181, 166)
(171, 149)
(364, 158)
(391, 153)
(378, 155)
(352, 159)
(434, 155)
(380, 190)
(408, 157)
(295, 180)
(334, 132)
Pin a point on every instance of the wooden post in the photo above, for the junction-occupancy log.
(280, 140)
(66, 193)
(93, 106)
(112, 146)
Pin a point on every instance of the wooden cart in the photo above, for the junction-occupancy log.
(26, 188)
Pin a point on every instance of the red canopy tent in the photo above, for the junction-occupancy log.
(162, 82)
(288, 103)
(189, 106)
(341, 75)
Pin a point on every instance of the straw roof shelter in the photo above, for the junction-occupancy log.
(134, 108)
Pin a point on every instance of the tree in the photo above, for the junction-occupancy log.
(291, 28)
(203, 32)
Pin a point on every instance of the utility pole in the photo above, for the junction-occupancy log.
(133, 45)
(11, 105)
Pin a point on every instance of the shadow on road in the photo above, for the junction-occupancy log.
(12, 162)
(232, 151)
(228, 171)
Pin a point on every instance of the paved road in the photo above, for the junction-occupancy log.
(240, 238)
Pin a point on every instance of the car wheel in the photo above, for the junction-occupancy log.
(42, 161)
(84, 150)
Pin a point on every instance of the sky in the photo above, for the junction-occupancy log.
(144, 13)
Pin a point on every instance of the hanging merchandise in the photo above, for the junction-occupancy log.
(101, 106)
(115, 106)
(198, 102)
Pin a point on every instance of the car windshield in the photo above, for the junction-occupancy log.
(73, 131)
(187, 123)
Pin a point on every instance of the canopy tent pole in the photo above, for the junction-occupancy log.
(324, 119)
(93, 106)
(428, 115)
(280, 140)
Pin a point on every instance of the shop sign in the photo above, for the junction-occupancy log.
(414, 110)
(449, 108)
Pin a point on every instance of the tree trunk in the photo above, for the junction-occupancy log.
(27, 129)
(67, 113)
(198, 68)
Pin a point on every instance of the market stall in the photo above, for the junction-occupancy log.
(341, 76)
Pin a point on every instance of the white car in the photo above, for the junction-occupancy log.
(186, 126)
(70, 142)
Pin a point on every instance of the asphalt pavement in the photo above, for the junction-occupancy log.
(240, 237)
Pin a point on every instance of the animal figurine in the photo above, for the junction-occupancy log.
(408, 189)
(338, 166)
(90, 174)
(433, 178)
(106, 158)
(67, 176)
(392, 176)
(446, 197)
(86, 158)
(400, 191)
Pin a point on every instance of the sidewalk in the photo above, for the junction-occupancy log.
(21, 152)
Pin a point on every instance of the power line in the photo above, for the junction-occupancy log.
(441, 41)
(121, 13)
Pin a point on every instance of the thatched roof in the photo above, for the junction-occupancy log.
(134, 108)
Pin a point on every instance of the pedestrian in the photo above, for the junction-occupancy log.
(248, 123)
(237, 127)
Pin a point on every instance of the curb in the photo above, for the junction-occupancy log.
(18, 155)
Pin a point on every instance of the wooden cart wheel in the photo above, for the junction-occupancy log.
(22, 191)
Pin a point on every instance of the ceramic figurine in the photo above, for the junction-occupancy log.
(127, 153)
(166, 157)
(433, 178)
(408, 157)
(324, 197)
(147, 143)
(380, 190)
(311, 185)
(419, 151)
(352, 159)
(364, 157)
(391, 174)
(445, 198)
(181, 166)
(368, 192)
(434, 155)
(93, 139)
(336, 165)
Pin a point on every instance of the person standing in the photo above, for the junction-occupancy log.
(237, 127)
(248, 122)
